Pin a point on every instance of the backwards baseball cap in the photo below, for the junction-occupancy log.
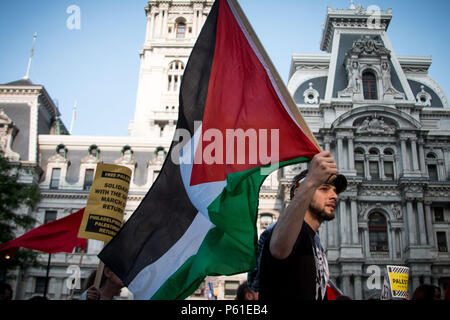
(340, 182)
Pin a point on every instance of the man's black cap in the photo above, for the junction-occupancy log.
(340, 182)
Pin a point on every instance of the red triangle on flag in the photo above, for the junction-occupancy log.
(242, 102)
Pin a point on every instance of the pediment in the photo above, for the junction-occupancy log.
(376, 120)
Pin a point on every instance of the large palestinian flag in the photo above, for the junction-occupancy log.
(199, 217)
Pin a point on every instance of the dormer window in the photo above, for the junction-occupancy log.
(369, 85)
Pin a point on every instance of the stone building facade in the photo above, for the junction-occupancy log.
(386, 123)
(383, 117)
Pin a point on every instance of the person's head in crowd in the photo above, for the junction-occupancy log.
(244, 292)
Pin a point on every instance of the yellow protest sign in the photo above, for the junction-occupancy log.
(105, 207)
(398, 280)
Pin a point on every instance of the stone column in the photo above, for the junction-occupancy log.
(366, 241)
(346, 285)
(340, 151)
(358, 288)
(330, 234)
(164, 23)
(392, 251)
(429, 222)
(195, 22)
(415, 161)
(343, 221)
(441, 168)
(421, 222)
(446, 151)
(366, 167)
(351, 153)
(354, 220)
(414, 284)
(421, 157)
(382, 176)
(411, 222)
(405, 165)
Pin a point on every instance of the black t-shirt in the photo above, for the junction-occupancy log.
(293, 278)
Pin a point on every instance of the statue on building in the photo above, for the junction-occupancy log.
(8, 132)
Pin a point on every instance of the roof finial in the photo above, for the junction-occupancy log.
(352, 5)
(27, 75)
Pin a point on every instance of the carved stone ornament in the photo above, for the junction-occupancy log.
(396, 210)
(7, 133)
(126, 159)
(375, 125)
(423, 97)
(369, 53)
(311, 95)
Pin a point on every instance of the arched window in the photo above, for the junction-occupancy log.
(369, 85)
(181, 30)
(432, 166)
(388, 161)
(175, 75)
(378, 235)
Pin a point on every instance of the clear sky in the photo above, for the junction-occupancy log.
(98, 64)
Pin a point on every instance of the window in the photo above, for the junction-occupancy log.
(378, 237)
(88, 179)
(389, 170)
(438, 214)
(181, 30)
(54, 182)
(374, 170)
(369, 85)
(359, 166)
(40, 285)
(231, 288)
(359, 162)
(432, 167)
(175, 75)
(50, 215)
(441, 241)
(432, 172)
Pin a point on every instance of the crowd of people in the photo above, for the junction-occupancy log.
(291, 262)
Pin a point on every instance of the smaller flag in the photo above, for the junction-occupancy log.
(332, 291)
(56, 236)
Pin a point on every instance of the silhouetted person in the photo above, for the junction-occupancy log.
(5, 291)
(244, 292)
(426, 292)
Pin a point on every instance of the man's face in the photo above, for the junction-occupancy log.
(324, 202)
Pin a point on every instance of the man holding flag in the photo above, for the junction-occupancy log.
(293, 262)
(237, 122)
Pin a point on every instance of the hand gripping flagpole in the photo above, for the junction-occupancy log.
(279, 82)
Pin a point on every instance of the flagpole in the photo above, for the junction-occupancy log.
(27, 75)
(73, 116)
(279, 82)
(47, 275)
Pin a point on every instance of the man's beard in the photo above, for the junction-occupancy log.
(319, 213)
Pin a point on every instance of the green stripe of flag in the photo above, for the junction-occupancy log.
(230, 247)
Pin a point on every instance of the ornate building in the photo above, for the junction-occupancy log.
(386, 122)
(382, 116)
